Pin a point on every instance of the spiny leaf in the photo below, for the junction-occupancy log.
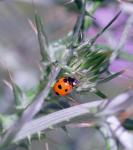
(95, 61)
(99, 64)
(23, 145)
(42, 38)
(29, 139)
(88, 14)
(31, 93)
(77, 31)
(100, 94)
(39, 135)
(92, 41)
(87, 22)
(111, 77)
(63, 117)
(7, 120)
(18, 94)
(20, 98)
(64, 129)
(123, 39)
(79, 3)
(74, 114)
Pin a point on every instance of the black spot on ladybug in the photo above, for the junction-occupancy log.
(57, 93)
(66, 90)
(59, 86)
(65, 80)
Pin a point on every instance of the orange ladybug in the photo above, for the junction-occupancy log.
(64, 85)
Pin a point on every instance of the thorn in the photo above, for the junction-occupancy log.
(32, 26)
(50, 127)
(88, 14)
(39, 136)
(8, 84)
(10, 76)
(67, 120)
(29, 139)
(69, 2)
(9, 73)
(40, 67)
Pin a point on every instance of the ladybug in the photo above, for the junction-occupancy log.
(64, 85)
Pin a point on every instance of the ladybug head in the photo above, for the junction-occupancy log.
(72, 81)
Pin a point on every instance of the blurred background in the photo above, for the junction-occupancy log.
(19, 55)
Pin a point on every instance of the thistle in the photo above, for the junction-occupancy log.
(38, 109)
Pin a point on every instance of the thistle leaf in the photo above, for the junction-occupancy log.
(75, 114)
(100, 94)
(18, 94)
(77, 31)
(7, 120)
(92, 41)
(24, 145)
(64, 128)
(79, 4)
(29, 139)
(42, 38)
(111, 77)
(20, 98)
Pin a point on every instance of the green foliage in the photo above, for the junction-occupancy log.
(42, 38)
(72, 55)
(110, 77)
(20, 99)
(100, 94)
(17, 94)
(6, 121)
